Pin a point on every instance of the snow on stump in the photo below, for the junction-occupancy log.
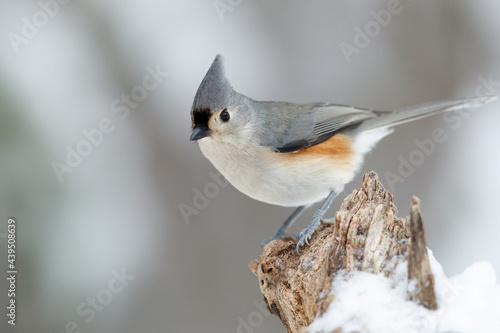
(365, 237)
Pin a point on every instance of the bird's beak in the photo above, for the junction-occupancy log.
(200, 132)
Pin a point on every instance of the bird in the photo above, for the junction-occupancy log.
(293, 155)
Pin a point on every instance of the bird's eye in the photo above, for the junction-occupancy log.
(224, 115)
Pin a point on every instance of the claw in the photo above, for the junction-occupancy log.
(305, 235)
(299, 244)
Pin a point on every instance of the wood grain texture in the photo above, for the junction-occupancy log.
(419, 268)
(366, 236)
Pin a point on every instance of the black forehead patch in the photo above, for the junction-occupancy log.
(201, 116)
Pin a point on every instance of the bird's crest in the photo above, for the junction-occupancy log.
(215, 90)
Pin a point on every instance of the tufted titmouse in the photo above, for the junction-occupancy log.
(289, 154)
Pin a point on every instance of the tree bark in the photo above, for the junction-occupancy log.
(366, 236)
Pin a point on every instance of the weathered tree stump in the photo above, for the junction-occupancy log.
(366, 236)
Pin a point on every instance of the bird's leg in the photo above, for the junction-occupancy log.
(281, 231)
(306, 234)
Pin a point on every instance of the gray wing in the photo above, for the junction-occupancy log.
(318, 123)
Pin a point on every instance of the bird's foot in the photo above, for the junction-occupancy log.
(306, 234)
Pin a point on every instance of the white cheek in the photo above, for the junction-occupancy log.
(234, 134)
(246, 134)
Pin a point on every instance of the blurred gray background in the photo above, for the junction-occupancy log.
(63, 69)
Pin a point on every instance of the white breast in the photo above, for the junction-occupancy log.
(270, 177)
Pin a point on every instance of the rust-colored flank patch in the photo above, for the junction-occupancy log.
(338, 146)
(338, 149)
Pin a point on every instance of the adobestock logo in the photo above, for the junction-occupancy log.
(363, 37)
(221, 6)
(201, 199)
(74, 156)
(31, 27)
(212, 189)
(88, 310)
(426, 147)
(254, 320)
(122, 107)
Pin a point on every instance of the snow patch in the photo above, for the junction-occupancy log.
(365, 302)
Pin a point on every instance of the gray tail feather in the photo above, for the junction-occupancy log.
(411, 113)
